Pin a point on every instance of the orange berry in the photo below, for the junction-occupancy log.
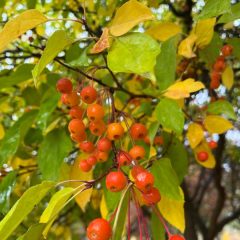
(99, 229)
(64, 99)
(215, 76)
(97, 128)
(144, 181)
(85, 166)
(138, 131)
(227, 50)
(115, 131)
(219, 65)
(64, 85)
(212, 144)
(214, 84)
(137, 152)
(176, 237)
(76, 126)
(202, 156)
(76, 112)
(104, 145)
(147, 140)
(158, 140)
(102, 156)
(87, 146)
(88, 95)
(78, 137)
(136, 170)
(123, 158)
(95, 112)
(116, 181)
(71, 99)
(92, 160)
(152, 197)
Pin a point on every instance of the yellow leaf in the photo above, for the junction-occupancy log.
(173, 212)
(185, 47)
(204, 30)
(217, 124)
(129, 15)
(83, 198)
(164, 31)
(228, 77)
(2, 132)
(203, 147)
(103, 208)
(182, 89)
(195, 134)
(102, 43)
(19, 25)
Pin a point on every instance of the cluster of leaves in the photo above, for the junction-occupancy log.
(153, 70)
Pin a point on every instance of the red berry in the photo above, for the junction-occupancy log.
(64, 85)
(136, 170)
(152, 197)
(71, 99)
(115, 131)
(104, 145)
(227, 50)
(176, 237)
(92, 160)
(116, 181)
(137, 152)
(95, 112)
(97, 128)
(202, 156)
(99, 229)
(78, 137)
(124, 158)
(214, 84)
(147, 140)
(76, 126)
(88, 95)
(219, 65)
(144, 181)
(158, 140)
(215, 76)
(212, 144)
(138, 131)
(85, 166)
(102, 156)
(76, 112)
(87, 146)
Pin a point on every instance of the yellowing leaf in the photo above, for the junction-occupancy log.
(102, 43)
(217, 124)
(203, 147)
(173, 212)
(2, 132)
(83, 198)
(185, 47)
(195, 134)
(228, 77)
(164, 31)
(103, 208)
(204, 30)
(129, 15)
(19, 25)
(182, 89)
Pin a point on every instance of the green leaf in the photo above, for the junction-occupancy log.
(120, 218)
(55, 44)
(54, 148)
(180, 160)
(31, 3)
(166, 179)
(23, 207)
(133, 53)
(214, 8)
(152, 131)
(235, 42)
(231, 16)
(167, 57)
(33, 233)
(170, 115)
(222, 107)
(158, 231)
(6, 187)
(21, 74)
(145, 108)
(12, 139)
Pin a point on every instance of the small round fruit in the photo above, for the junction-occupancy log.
(85, 166)
(124, 158)
(136, 170)
(92, 160)
(64, 98)
(227, 50)
(138, 131)
(76, 126)
(147, 140)
(212, 144)
(104, 145)
(76, 112)
(219, 65)
(72, 99)
(78, 137)
(88, 95)
(152, 197)
(95, 112)
(116, 181)
(144, 181)
(158, 140)
(215, 76)
(202, 156)
(99, 229)
(64, 85)
(137, 152)
(176, 237)
(115, 131)
(87, 146)
(97, 128)
(102, 156)
(214, 84)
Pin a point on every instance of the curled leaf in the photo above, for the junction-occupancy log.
(195, 134)
(186, 46)
(102, 43)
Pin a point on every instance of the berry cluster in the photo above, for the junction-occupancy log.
(203, 156)
(219, 66)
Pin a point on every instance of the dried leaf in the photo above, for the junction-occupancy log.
(102, 43)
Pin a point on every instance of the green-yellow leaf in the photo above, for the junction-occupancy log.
(129, 15)
(186, 46)
(217, 124)
(56, 43)
(23, 207)
(164, 31)
(228, 77)
(2, 132)
(103, 208)
(19, 25)
(195, 134)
